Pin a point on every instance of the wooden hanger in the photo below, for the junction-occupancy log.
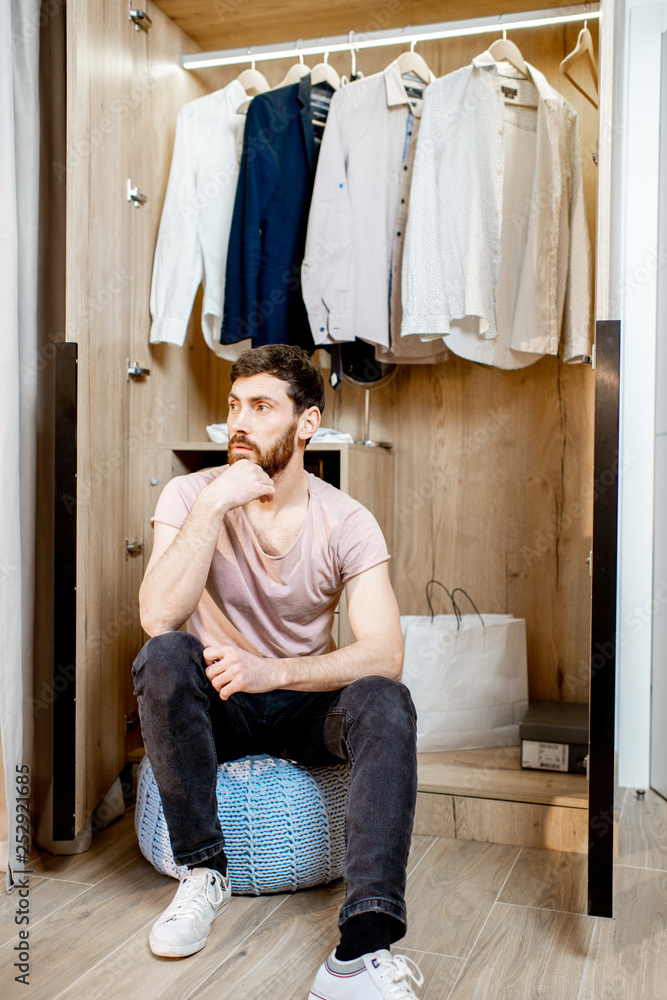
(324, 73)
(412, 62)
(252, 79)
(582, 50)
(504, 50)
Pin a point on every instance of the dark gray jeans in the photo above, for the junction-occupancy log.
(188, 730)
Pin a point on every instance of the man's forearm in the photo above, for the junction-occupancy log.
(331, 671)
(172, 589)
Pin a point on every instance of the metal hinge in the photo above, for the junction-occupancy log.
(133, 548)
(589, 359)
(140, 19)
(589, 560)
(134, 195)
(136, 371)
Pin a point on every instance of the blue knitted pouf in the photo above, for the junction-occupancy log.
(283, 824)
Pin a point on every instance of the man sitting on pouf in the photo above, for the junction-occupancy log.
(252, 557)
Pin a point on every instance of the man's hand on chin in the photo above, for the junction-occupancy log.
(230, 669)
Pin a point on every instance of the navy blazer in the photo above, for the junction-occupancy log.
(268, 235)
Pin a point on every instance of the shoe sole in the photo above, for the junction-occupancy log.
(182, 951)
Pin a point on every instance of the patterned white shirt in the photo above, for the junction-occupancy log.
(497, 257)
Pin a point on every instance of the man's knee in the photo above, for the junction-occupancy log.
(167, 658)
(383, 698)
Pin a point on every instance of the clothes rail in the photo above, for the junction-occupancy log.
(391, 36)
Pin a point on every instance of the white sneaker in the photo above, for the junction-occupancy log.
(379, 975)
(184, 926)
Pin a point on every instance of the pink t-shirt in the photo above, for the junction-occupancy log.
(282, 605)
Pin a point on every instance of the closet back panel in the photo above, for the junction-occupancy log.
(493, 470)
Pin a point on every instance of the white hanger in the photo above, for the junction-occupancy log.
(252, 79)
(324, 73)
(354, 75)
(412, 62)
(582, 50)
(295, 72)
(502, 49)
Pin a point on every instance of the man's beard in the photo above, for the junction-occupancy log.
(274, 459)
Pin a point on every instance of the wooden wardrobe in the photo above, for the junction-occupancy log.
(493, 471)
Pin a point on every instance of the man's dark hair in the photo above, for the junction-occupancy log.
(305, 385)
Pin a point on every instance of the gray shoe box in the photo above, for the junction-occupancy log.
(552, 724)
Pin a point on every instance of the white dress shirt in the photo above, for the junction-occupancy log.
(196, 219)
(363, 172)
(497, 257)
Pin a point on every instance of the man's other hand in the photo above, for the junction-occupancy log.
(230, 669)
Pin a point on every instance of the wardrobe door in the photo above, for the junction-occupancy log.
(605, 505)
(603, 623)
(124, 90)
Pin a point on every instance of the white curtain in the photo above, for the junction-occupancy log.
(19, 367)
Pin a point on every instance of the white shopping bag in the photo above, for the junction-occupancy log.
(468, 680)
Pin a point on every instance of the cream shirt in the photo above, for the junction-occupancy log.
(363, 171)
(196, 219)
(497, 257)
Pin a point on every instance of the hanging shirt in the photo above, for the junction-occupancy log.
(362, 175)
(196, 219)
(497, 255)
(263, 291)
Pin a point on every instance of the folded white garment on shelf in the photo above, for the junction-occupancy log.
(219, 434)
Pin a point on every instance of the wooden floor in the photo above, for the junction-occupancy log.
(487, 922)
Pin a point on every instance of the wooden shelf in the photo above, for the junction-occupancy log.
(314, 446)
(497, 774)
(485, 795)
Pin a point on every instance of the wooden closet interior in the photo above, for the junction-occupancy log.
(491, 471)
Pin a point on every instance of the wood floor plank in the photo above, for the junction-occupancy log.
(553, 880)
(281, 957)
(78, 935)
(110, 850)
(629, 953)
(74, 939)
(439, 971)
(451, 893)
(44, 896)
(527, 953)
(643, 832)
(418, 848)
(133, 972)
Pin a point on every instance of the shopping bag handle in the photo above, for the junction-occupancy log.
(460, 590)
(457, 613)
